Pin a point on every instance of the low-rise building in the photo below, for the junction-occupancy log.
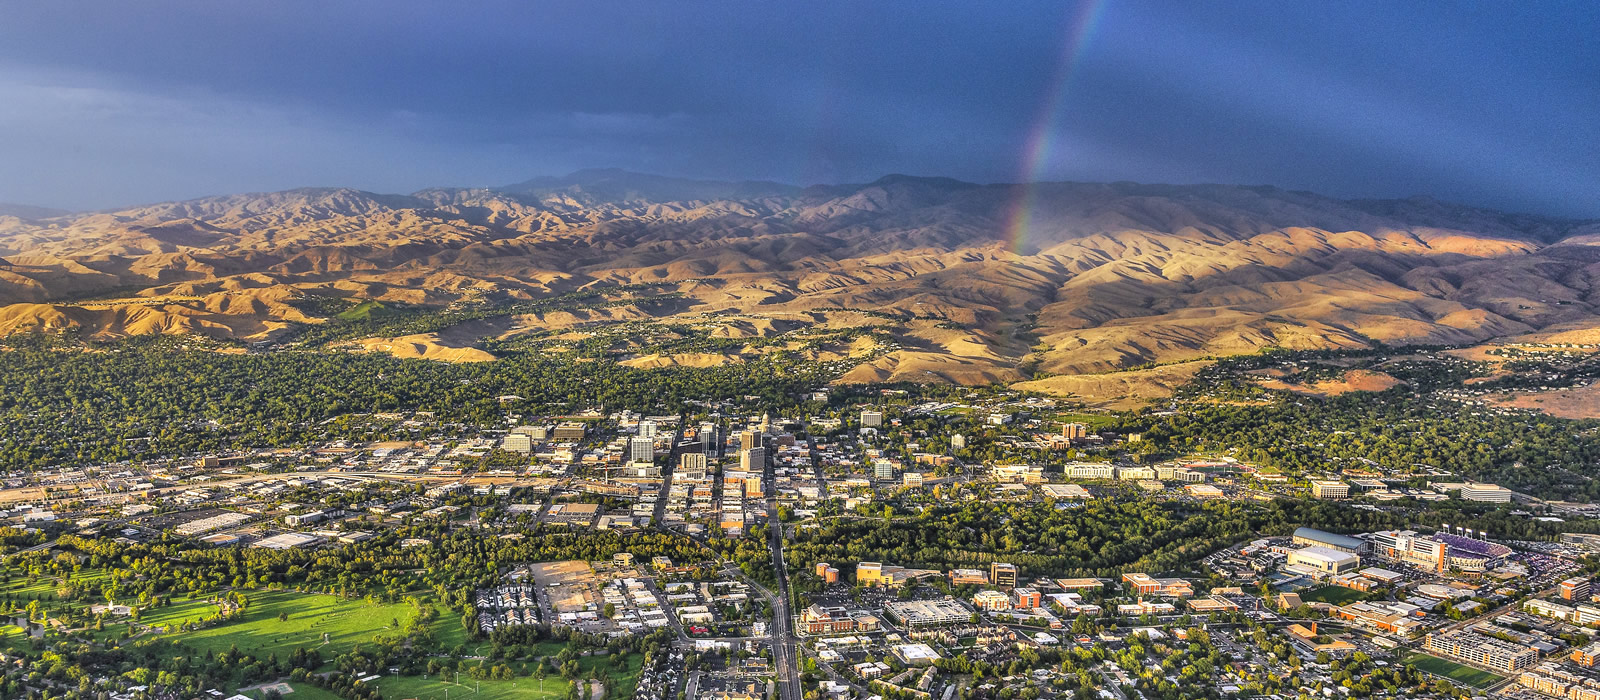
(1145, 584)
(1333, 490)
(1003, 574)
(1025, 598)
(968, 577)
(1486, 493)
(1327, 562)
(871, 573)
(991, 600)
(1212, 604)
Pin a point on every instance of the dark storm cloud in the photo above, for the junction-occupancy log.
(105, 103)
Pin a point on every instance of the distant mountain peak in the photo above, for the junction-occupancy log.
(32, 213)
(616, 185)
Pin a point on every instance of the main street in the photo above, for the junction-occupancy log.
(785, 648)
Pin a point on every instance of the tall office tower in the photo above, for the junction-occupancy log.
(642, 449)
(749, 440)
(753, 459)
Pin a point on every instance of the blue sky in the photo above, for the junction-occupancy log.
(112, 103)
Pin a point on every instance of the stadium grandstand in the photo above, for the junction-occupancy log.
(1471, 554)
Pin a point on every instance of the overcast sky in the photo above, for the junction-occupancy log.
(115, 103)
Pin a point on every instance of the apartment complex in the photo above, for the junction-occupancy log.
(1483, 650)
(1551, 679)
(1090, 470)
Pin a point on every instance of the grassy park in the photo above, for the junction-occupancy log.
(619, 679)
(346, 622)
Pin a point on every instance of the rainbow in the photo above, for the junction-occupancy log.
(1040, 142)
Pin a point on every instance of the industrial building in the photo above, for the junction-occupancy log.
(289, 540)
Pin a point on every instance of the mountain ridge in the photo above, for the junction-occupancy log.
(1103, 276)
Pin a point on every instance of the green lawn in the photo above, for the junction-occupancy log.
(362, 311)
(1337, 595)
(1456, 672)
(345, 621)
(553, 686)
(44, 588)
(12, 637)
(620, 681)
(302, 691)
(1093, 420)
(177, 613)
(447, 629)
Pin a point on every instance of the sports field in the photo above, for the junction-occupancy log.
(1337, 595)
(302, 691)
(1468, 675)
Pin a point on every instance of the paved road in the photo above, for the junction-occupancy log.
(785, 648)
(666, 472)
(694, 686)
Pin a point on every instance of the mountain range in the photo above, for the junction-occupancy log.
(976, 283)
